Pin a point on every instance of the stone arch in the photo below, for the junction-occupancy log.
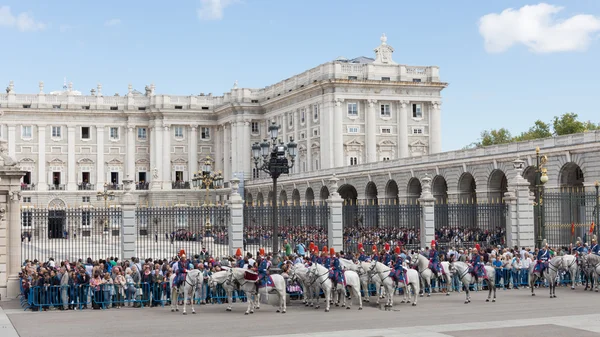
(571, 175)
(309, 196)
(57, 203)
(248, 197)
(467, 188)
(391, 190)
(260, 199)
(347, 192)
(413, 190)
(324, 193)
(283, 198)
(497, 186)
(295, 197)
(439, 189)
(371, 191)
(270, 199)
(529, 175)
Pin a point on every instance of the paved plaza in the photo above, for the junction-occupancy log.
(573, 313)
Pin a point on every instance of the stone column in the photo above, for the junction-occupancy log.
(338, 135)
(335, 226)
(284, 127)
(193, 151)
(296, 168)
(227, 152)
(10, 229)
(309, 118)
(42, 183)
(12, 141)
(520, 219)
(100, 176)
(435, 128)
(130, 153)
(235, 230)
(218, 141)
(166, 161)
(245, 151)
(71, 170)
(371, 131)
(325, 137)
(403, 129)
(234, 148)
(158, 153)
(129, 229)
(427, 202)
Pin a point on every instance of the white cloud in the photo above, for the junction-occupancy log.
(212, 9)
(536, 27)
(112, 22)
(24, 22)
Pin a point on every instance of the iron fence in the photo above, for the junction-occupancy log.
(72, 233)
(298, 224)
(369, 223)
(164, 231)
(567, 213)
(483, 223)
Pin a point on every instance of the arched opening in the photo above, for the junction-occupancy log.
(529, 175)
(466, 189)
(371, 191)
(413, 190)
(324, 193)
(439, 189)
(260, 199)
(270, 199)
(391, 192)
(296, 197)
(248, 198)
(571, 175)
(348, 193)
(497, 186)
(309, 196)
(283, 198)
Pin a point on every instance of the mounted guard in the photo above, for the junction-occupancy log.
(263, 269)
(362, 256)
(375, 255)
(325, 260)
(398, 273)
(387, 257)
(434, 260)
(595, 247)
(337, 274)
(477, 263)
(542, 259)
(182, 267)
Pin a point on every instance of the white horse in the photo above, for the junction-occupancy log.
(278, 288)
(462, 270)
(389, 285)
(319, 276)
(352, 281)
(426, 274)
(365, 278)
(193, 281)
(300, 273)
(569, 264)
(223, 279)
(550, 273)
(592, 263)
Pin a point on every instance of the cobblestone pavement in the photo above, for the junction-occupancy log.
(516, 313)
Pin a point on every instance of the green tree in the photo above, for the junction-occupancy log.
(495, 137)
(568, 124)
(538, 131)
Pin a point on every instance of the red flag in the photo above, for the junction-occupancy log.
(592, 227)
(572, 228)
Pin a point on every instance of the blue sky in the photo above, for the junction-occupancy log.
(539, 62)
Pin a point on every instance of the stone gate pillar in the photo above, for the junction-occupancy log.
(10, 224)
(520, 224)
(235, 230)
(335, 226)
(129, 229)
(427, 202)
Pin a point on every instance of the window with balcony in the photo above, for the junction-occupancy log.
(179, 132)
(205, 133)
(353, 109)
(385, 110)
(417, 112)
(142, 133)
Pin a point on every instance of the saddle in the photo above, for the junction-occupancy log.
(250, 276)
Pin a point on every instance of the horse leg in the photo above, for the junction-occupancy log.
(229, 299)
(532, 280)
(428, 286)
(249, 304)
(327, 299)
(193, 300)
(414, 290)
(357, 291)
(467, 290)
(173, 303)
(185, 299)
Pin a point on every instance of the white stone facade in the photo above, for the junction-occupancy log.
(341, 113)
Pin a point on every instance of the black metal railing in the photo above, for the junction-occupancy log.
(114, 187)
(567, 214)
(164, 231)
(28, 187)
(180, 185)
(371, 222)
(298, 224)
(57, 187)
(142, 186)
(74, 233)
(86, 187)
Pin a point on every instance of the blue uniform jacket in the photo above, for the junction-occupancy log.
(262, 267)
(543, 255)
(362, 257)
(596, 249)
(327, 262)
(434, 256)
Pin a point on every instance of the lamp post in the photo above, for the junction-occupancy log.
(207, 179)
(106, 196)
(274, 162)
(541, 177)
(597, 207)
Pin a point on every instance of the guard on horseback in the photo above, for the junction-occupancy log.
(543, 257)
(434, 260)
(337, 274)
(387, 257)
(580, 248)
(375, 256)
(595, 247)
(263, 267)
(325, 260)
(362, 257)
(398, 271)
(477, 263)
(182, 267)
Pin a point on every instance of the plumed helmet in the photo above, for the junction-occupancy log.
(325, 249)
(360, 246)
(544, 243)
(594, 238)
(579, 240)
(311, 246)
(262, 252)
(397, 250)
(432, 243)
(374, 248)
(387, 246)
(182, 256)
(331, 251)
(238, 252)
(477, 247)
(181, 253)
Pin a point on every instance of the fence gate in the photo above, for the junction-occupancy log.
(375, 223)
(567, 213)
(70, 233)
(163, 231)
(298, 224)
(467, 224)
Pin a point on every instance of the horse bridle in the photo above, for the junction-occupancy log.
(372, 269)
(317, 276)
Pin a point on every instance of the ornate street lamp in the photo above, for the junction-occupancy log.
(272, 158)
(541, 177)
(106, 196)
(207, 178)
